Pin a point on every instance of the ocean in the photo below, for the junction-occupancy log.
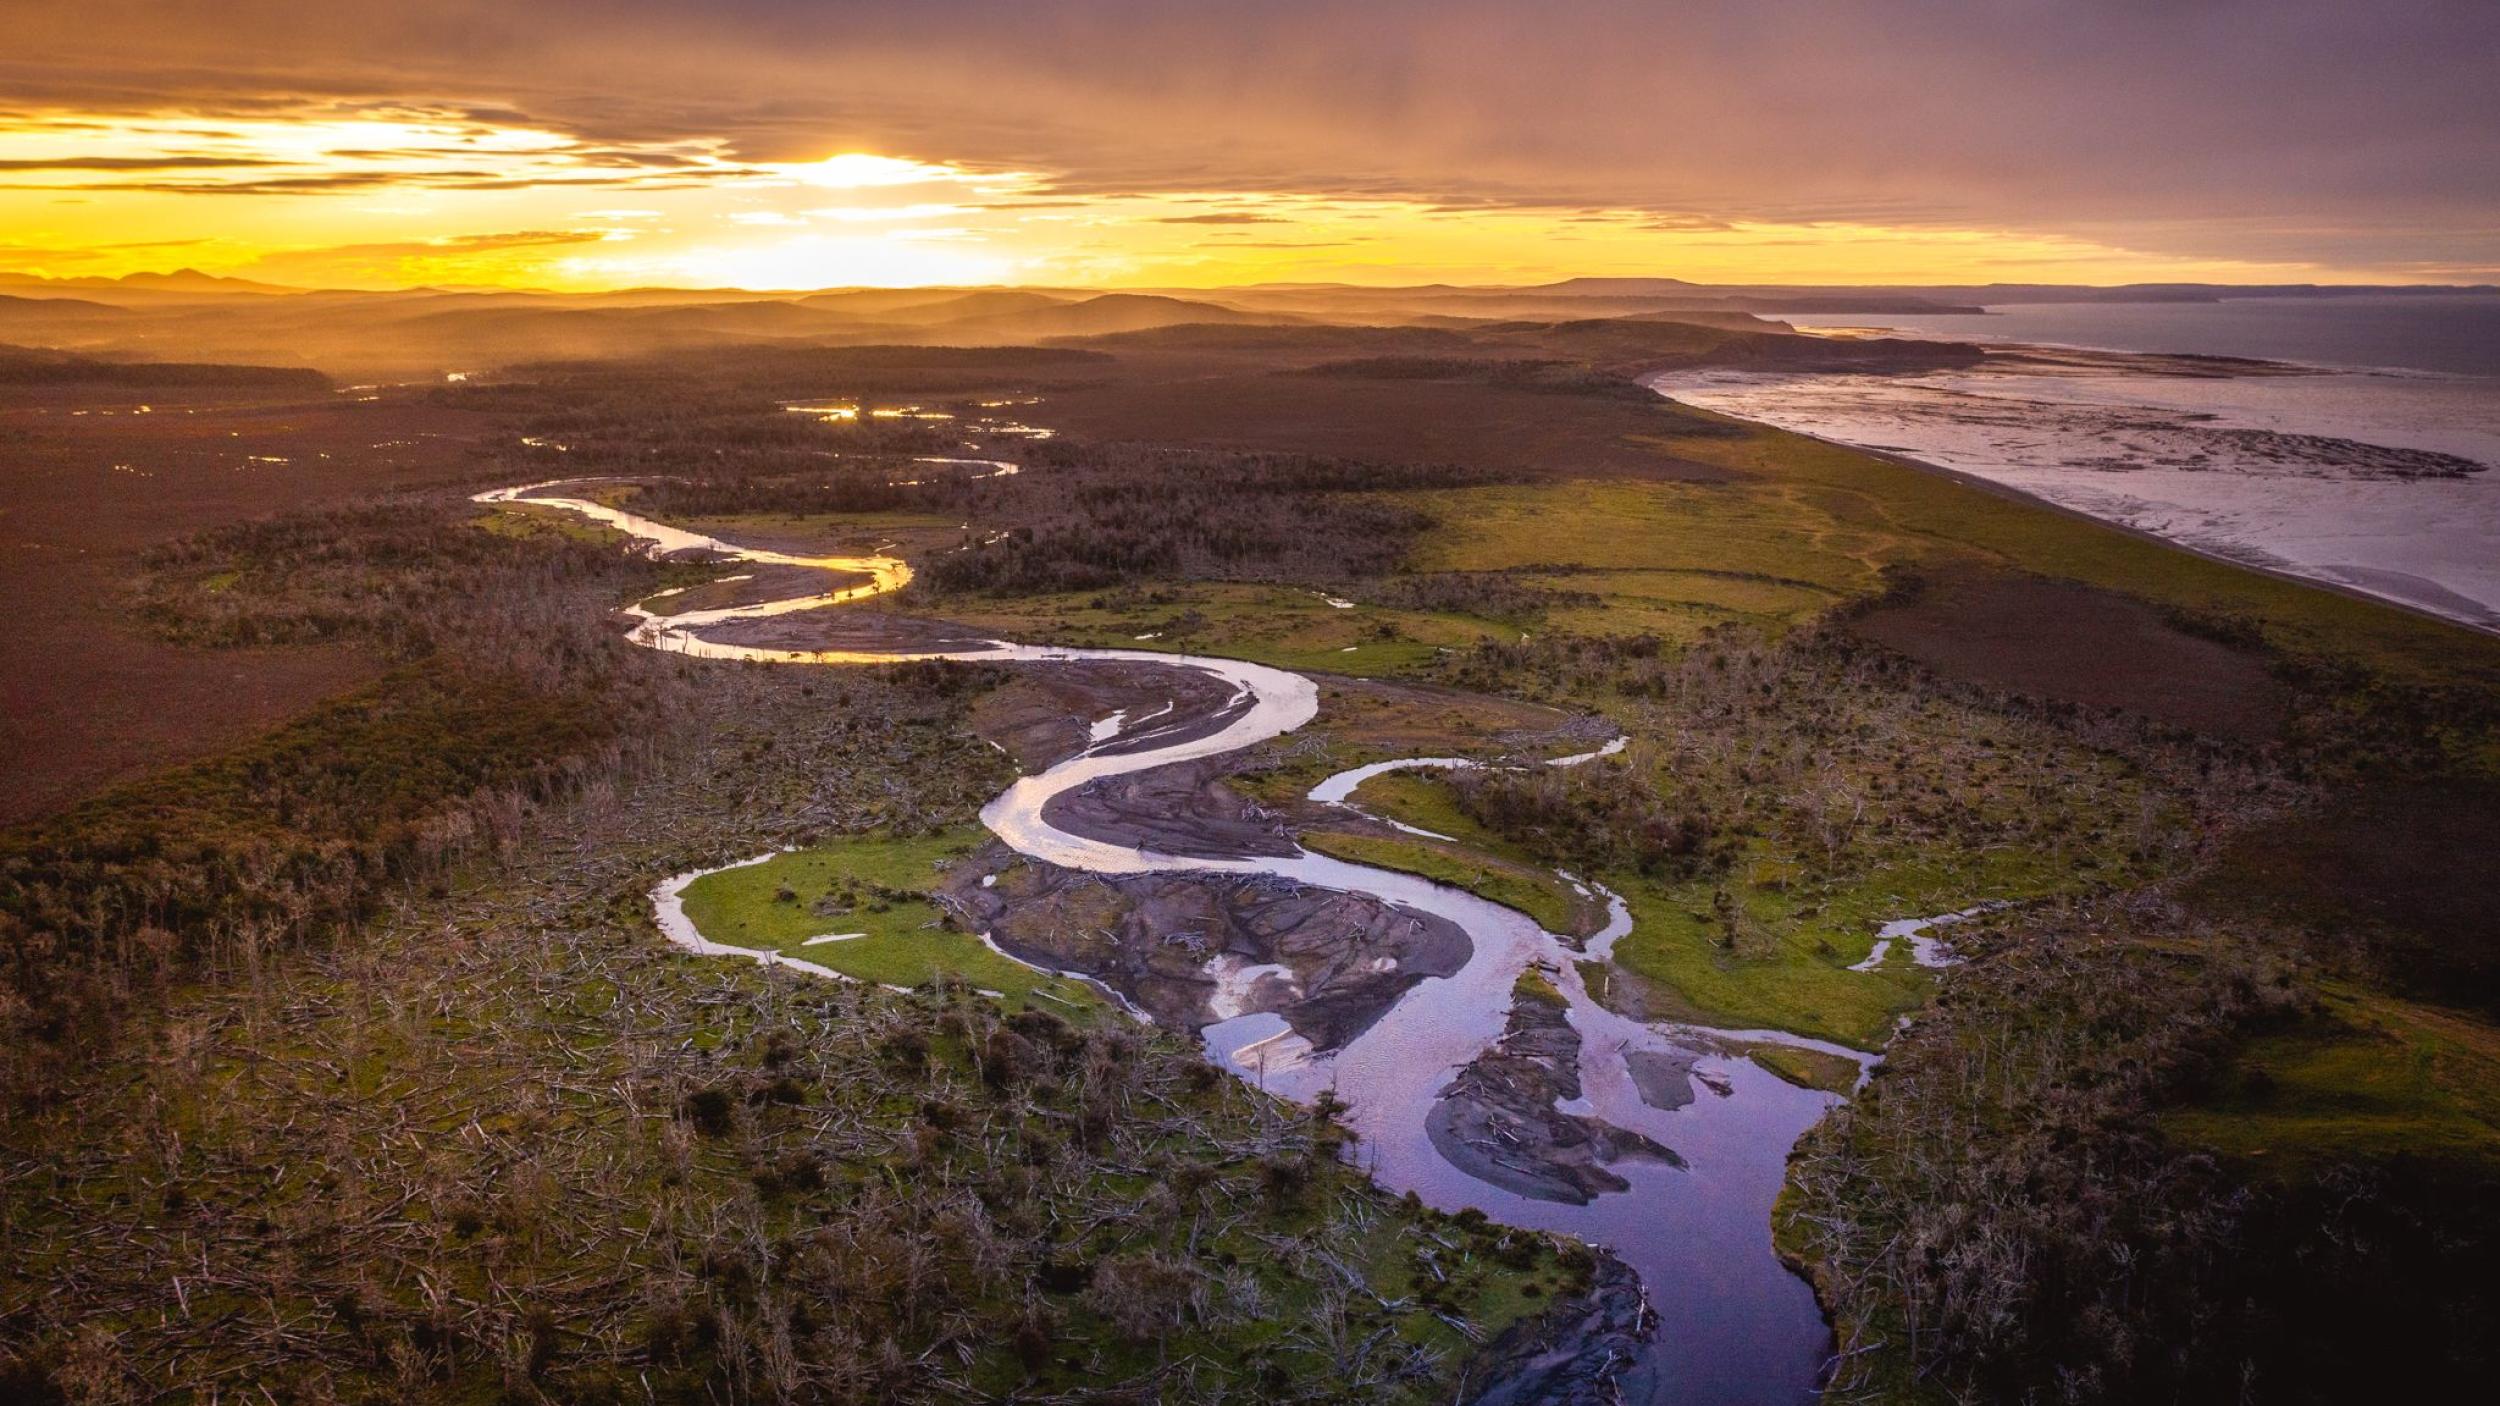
(2367, 456)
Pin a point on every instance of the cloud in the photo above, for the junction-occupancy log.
(395, 262)
(2302, 129)
(129, 163)
(1220, 219)
(45, 254)
(528, 238)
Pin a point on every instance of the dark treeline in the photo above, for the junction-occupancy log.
(2000, 1209)
(722, 416)
(1540, 374)
(1080, 518)
(880, 484)
(1089, 517)
(30, 366)
(770, 375)
(1095, 518)
(508, 687)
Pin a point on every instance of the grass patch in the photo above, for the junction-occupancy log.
(1807, 1069)
(1666, 558)
(1541, 896)
(875, 887)
(1534, 985)
(1420, 798)
(2369, 1077)
(1787, 966)
(533, 521)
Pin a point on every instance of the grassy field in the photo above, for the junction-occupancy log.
(1670, 558)
(1776, 955)
(1807, 1069)
(529, 520)
(1284, 626)
(2368, 1076)
(1418, 798)
(870, 893)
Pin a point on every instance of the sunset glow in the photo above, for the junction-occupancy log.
(388, 197)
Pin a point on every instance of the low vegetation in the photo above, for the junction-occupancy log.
(1782, 800)
(506, 1145)
(509, 691)
(1536, 893)
(2004, 1213)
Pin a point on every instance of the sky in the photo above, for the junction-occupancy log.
(586, 144)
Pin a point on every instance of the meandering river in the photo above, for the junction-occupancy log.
(1735, 1325)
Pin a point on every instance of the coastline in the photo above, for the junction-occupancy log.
(2011, 493)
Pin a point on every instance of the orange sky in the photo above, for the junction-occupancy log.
(758, 144)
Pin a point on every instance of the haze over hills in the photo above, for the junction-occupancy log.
(190, 316)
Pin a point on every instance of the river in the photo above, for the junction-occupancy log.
(1735, 1325)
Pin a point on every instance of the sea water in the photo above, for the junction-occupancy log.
(2376, 467)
